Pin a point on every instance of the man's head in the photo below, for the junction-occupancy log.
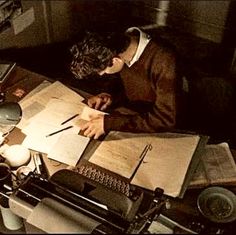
(97, 54)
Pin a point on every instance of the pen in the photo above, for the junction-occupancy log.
(59, 131)
(69, 119)
(143, 154)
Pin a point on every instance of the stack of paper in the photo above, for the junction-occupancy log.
(35, 103)
(43, 114)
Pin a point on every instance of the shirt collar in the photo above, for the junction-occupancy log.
(143, 41)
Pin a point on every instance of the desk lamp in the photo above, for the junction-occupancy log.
(10, 115)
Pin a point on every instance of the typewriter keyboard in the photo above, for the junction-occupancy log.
(104, 179)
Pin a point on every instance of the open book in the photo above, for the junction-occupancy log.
(163, 160)
(216, 167)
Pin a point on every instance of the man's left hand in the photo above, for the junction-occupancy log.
(94, 128)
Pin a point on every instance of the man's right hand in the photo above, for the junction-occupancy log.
(101, 101)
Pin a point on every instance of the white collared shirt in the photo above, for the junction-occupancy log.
(143, 41)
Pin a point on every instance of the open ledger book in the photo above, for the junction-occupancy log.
(165, 160)
(216, 167)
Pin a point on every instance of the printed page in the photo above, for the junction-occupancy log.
(44, 113)
(164, 165)
(37, 89)
(199, 177)
(120, 152)
(48, 121)
(55, 112)
(38, 101)
(167, 164)
(69, 148)
(66, 146)
(217, 166)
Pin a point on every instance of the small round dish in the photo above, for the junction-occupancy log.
(217, 204)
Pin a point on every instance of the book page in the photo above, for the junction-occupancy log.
(199, 177)
(217, 166)
(164, 165)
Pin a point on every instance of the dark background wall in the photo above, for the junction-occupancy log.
(203, 31)
(57, 20)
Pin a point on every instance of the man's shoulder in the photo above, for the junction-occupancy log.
(163, 43)
(157, 47)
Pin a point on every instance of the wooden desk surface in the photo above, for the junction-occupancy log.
(183, 211)
(21, 79)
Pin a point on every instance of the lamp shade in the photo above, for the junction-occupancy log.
(10, 113)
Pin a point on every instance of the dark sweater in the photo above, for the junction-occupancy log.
(152, 85)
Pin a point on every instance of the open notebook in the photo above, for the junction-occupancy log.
(164, 160)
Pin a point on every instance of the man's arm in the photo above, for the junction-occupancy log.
(162, 115)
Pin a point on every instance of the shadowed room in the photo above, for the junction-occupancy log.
(36, 39)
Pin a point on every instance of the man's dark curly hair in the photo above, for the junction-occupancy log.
(95, 52)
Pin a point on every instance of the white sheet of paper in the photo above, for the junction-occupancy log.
(120, 152)
(164, 166)
(37, 102)
(55, 113)
(36, 138)
(48, 121)
(69, 148)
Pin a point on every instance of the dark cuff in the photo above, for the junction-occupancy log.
(115, 122)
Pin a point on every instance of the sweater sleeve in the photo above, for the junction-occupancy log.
(162, 114)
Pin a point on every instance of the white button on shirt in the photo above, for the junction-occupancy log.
(143, 41)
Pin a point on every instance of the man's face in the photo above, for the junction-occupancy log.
(116, 67)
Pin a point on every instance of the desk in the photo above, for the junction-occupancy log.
(183, 211)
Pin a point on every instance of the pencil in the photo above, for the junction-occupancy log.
(69, 119)
(68, 127)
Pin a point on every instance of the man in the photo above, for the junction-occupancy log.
(150, 76)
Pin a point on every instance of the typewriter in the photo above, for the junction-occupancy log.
(85, 200)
